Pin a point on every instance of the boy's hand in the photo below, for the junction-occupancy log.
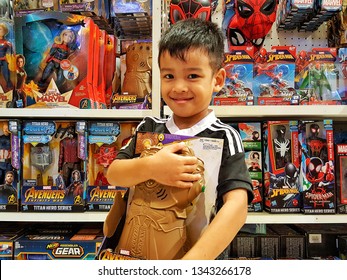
(170, 168)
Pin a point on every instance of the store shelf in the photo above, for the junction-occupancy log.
(336, 112)
(71, 113)
(252, 218)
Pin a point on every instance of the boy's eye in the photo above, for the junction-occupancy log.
(168, 76)
(193, 76)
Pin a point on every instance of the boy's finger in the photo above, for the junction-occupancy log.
(174, 148)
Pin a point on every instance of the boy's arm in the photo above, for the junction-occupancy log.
(165, 167)
(223, 228)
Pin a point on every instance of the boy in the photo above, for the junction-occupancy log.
(190, 62)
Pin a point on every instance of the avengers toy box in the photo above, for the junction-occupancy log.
(104, 141)
(281, 167)
(238, 64)
(54, 166)
(317, 180)
(24, 7)
(10, 164)
(341, 178)
(58, 52)
(81, 245)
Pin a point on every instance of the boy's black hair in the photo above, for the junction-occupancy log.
(194, 33)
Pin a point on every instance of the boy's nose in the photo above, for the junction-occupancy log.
(180, 86)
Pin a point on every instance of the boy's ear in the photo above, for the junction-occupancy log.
(219, 80)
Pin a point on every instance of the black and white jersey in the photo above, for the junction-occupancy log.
(233, 172)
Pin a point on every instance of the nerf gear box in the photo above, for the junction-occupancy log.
(82, 244)
(188, 211)
(273, 79)
(58, 51)
(9, 232)
(54, 166)
(7, 64)
(281, 167)
(317, 179)
(317, 77)
(24, 7)
(238, 64)
(341, 178)
(104, 141)
(10, 164)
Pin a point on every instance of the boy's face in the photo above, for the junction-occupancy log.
(187, 86)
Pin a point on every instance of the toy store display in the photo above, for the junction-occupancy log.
(317, 174)
(10, 164)
(54, 166)
(104, 141)
(281, 167)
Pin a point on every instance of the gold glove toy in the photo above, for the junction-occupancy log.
(155, 223)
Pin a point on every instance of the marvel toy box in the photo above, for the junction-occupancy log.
(341, 178)
(317, 180)
(281, 167)
(10, 164)
(54, 166)
(105, 138)
(58, 51)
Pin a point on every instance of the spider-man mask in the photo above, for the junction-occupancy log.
(253, 19)
(183, 9)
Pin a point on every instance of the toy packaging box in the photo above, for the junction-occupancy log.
(110, 68)
(54, 166)
(8, 64)
(58, 245)
(58, 52)
(273, 78)
(79, 5)
(341, 65)
(104, 141)
(316, 79)
(281, 166)
(251, 136)
(10, 164)
(136, 77)
(24, 7)
(317, 174)
(238, 64)
(341, 178)
(194, 208)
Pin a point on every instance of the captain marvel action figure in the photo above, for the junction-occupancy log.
(63, 46)
(5, 49)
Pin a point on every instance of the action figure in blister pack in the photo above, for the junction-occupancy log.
(68, 155)
(317, 146)
(281, 146)
(19, 99)
(5, 151)
(7, 190)
(5, 50)
(64, 45)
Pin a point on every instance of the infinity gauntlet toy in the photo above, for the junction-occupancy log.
(138, 75)
(155, 224)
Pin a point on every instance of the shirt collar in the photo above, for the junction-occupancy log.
(195, 129)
